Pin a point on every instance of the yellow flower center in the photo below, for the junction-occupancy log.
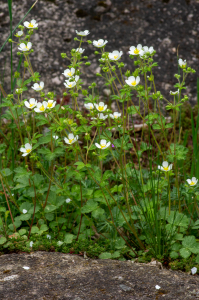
(133, 82)
(30, 25)
(31, 105)
(115, 56)
(192, 183)
(136, 51)
(70, 140)
(42, 108)
(50, 105)
(166, 168)
(116, 116)
(70, 122)
(99, 43)
(100, 108)
(28, 150)
(91, 107)
(69, 74)
(70, 85)
(183, 66)
(26, 47)
(103, 146)
(40, 87)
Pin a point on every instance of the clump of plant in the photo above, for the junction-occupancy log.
(82, 178)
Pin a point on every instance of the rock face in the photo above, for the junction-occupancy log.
(47, 275)
(169, 26)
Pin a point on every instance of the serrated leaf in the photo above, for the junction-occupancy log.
(50, 208)
(185, 253)
(68, 238)
(6, 172)
(89, 206)
(22, 231)
(174, 254)
(116, 254)
(2, 240)
(2, 209)
(25, 217)
(44, 227)
(189, 241)
(105, 255)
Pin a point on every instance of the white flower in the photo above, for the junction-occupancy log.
(19, 33)
(89, 105)
(71, 139)
(174, 93)
(68, 200)
(24, 211)
(193, 270)
(69, 72)
(32, 24)
(48, 236)
(133, 81)
(38, 87)
(31, 244)
(55, 137)
(142, 53)
(101, 117)
(50, 104)
(103, 144)
(135, 50)
(80, 50)
(165, 166)
(82, 33)
(100, 43)
(157, 287)
(26, 268)
(182, 63)
(148, 49)
(192, 181)
(115, 55)
(23, 47)
(31, 104)
(41, 107)
(101, 106)
(70, 84)
(115, 115)
(26, 150)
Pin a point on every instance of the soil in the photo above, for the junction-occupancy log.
(170, 26)
(71, 277)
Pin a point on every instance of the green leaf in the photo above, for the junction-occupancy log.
(107, 175)
(34, 229)
(45, 139)
(177, 151)
(50, 208)
(189, 241)
(98, 213)
(80, 165)
(196, 225)
(116, 254)
(49, 216)
(197, 259)
(2, 209)
(6, 172)
(174, 254)
(44, 227)
(90, 206)
(119, 243)
(2, 240)
(25, 217)
(68, 238)
(170, 125)
(185, 253)
(22, 231)
(132, 110)
(105, 255)
(117, 188)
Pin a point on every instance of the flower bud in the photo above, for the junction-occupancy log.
(87, 64)
(26, 64)
(63, 55)
(27, 36)
(10, 40)
(98, 74)
(25, 113)
(84, 92)
(85, 57)
(75, 39)
(16, 75)
(93, 84)
(96, 52)
(18, 53)
(64, 94)
(89, 42)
